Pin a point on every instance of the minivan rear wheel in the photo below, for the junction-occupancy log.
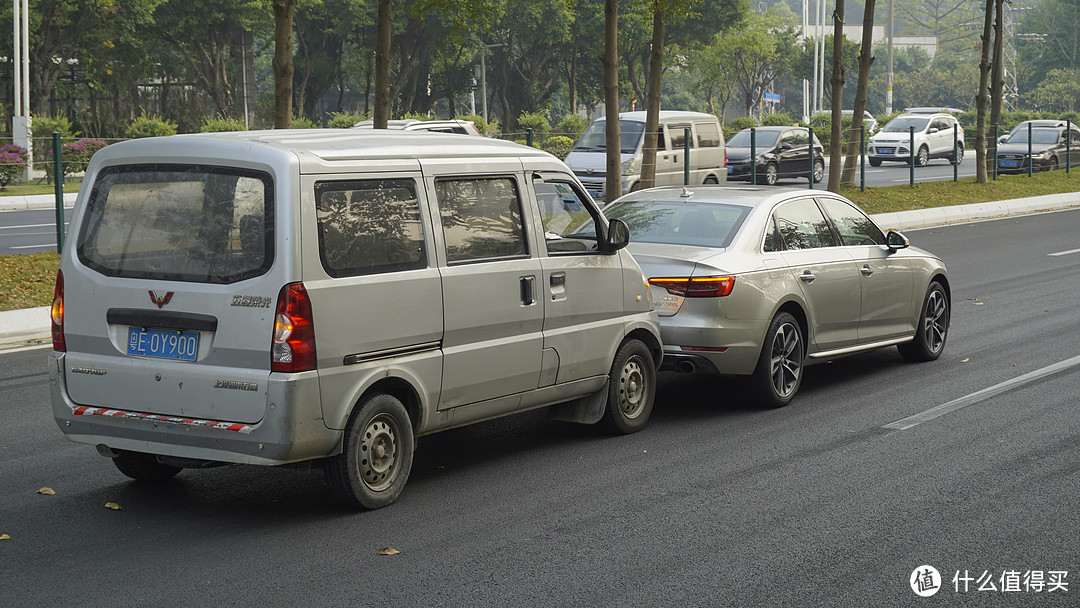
(144, 467)
(631, 388)
(376, 455)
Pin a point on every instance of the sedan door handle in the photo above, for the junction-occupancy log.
(807, 276)
(866, 270)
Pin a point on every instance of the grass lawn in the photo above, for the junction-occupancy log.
(27, 280)
(71, 186)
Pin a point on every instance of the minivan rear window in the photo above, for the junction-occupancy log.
(179, 223)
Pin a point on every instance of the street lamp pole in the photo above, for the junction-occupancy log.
(889, 72)
(21, 130)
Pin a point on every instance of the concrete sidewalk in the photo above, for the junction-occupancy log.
(19, 328)
(35, 201)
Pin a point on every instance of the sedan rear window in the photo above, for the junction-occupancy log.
(179, 223)
(678, 223)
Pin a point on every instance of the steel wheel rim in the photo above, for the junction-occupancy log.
(378, 452)
(786, 360)
(770, 175)
(936, 322)
(632, 387)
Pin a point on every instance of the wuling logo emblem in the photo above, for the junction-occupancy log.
(160, 300)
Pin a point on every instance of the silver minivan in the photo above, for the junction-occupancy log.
(326, 296)
(707, 162)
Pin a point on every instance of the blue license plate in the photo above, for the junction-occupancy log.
(730, 169)
(886, 150)
(163, 343)
(1010, 163)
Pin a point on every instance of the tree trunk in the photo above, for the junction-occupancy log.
(382, 66)
(836, 163)
(984, 78)
(284, 11)
(997, 82)
(613, 186)
(652, 101)
(866, 58)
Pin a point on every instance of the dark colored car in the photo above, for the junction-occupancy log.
(1049, 149)
(782, 152)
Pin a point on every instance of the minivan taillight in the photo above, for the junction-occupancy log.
(57, 313)
(293, 347)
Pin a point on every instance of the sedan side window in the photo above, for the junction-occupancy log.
(854, 227)
(802, 226)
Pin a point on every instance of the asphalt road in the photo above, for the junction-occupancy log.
(715, 503)
(894, 174)
(32, 231)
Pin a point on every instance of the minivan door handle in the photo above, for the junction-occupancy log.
(558, 279)
(528, 296)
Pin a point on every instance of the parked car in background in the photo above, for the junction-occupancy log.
(588, 157)
(869, 121)
(933, 139)
(324, 297)
(461, 127)
(760, 282)
(782, 152)
(1035, 124)
(1051, 147)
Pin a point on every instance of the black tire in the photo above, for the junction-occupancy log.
(819, 171)
(959, 156)
(875, 162)
(376, 454)
(635, 186)
(769, 176)
(631, 388)
(710, 180)
(779, 368)
(1053, 164)
(922, 157)
(933, 327)
(144, 467)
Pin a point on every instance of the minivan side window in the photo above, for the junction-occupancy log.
(565, 218)
(369, 227)
(481, 218)
(708, 134)
(677, 133)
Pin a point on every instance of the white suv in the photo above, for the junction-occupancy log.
(461, 127)
(933, 139)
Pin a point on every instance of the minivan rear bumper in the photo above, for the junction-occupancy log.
(291, 430)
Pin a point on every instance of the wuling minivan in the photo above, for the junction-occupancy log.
(588, 158)
(326, 296)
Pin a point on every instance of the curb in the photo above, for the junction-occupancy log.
(35, 201)
(32, 325)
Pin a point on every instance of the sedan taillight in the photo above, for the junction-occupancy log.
(696, 287)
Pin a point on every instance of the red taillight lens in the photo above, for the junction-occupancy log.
(293, 347)
(696, 287)
(57, 313)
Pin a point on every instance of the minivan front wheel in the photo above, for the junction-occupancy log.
(631, 388)
(376, 454)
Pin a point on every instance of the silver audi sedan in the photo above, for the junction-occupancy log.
(761, 282)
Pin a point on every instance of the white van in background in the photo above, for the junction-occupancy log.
(588, 158)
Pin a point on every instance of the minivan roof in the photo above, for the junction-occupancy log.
(664, 115)
(319, 146)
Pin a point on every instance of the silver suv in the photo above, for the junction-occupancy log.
(326, 296)
(933, 139)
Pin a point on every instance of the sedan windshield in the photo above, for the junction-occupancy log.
(763, 139)
(679, 223)
(900, 124)
(1038, 136)
(595, 137)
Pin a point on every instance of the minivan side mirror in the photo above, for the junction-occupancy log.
(896, 240)
(618, 235)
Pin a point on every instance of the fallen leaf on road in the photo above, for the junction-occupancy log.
(388, 551)
(112, 505)
(965, 360)
(47, 491)
(4, 537)
(979, 303)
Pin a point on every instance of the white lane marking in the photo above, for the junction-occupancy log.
(33, 246)
(1064, 252)
(986, 393)
(29, 226)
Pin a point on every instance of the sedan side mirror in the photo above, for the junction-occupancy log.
(618, 235)
(896, 240)
(785, 146)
